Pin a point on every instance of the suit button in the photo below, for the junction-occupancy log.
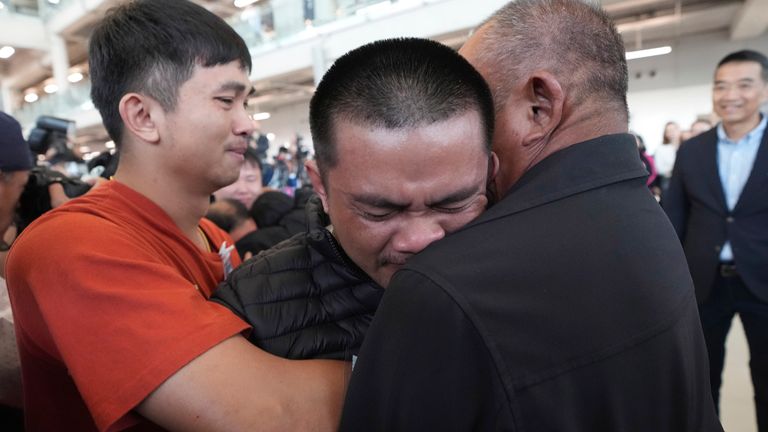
(729, 219)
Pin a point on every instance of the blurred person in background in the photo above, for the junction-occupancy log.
(718, 203)
(278, 216)
(699, 126)
(248, 185)
(664, 156)
(231, 215)
(652, 181)
(15, 163)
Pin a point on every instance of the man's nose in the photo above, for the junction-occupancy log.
(416, 234)
(243, 124)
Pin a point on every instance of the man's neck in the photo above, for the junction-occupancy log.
(737, 130)
(577, 129)
(184, 207)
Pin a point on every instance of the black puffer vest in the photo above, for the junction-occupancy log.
(304, 297)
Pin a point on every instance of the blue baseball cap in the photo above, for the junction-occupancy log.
(14, 151)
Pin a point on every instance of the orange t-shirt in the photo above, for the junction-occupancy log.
(109, 300)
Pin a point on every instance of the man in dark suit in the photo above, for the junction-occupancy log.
(718, 203)
(568, 305)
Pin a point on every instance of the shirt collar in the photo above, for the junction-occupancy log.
(759, 129)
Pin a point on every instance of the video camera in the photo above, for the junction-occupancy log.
(49, 133)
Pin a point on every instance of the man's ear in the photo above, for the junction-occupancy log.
(546, 99)
(317, 182)
(137, 112)
(493, 167)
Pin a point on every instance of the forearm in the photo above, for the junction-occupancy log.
(235, 386)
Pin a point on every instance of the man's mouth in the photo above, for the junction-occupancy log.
(239, 151)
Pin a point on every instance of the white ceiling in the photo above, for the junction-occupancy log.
(643, 23)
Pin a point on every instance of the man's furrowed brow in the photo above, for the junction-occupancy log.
(455, 197)
(378, 202)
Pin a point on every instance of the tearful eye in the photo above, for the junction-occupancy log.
(377, 217)
(451, 209)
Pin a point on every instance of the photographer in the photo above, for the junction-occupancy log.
(15, 164)
(26, 192)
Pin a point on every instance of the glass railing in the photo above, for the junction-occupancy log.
(48, 9)
(6, 7)
(260, 25)
(66, 104)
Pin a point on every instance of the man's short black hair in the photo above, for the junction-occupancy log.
(227, 213)
(152, 47)
(748, 56)
(396, 84)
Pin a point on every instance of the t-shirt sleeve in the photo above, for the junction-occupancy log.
(120, 319)
(423, 366)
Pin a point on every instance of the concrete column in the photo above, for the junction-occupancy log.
(319, 62)
(6, 99)
(59, 61)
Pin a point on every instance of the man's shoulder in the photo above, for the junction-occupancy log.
(697, 145)
(291, 254)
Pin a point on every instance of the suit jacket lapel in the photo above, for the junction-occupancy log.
(713, 173)
(757, 177)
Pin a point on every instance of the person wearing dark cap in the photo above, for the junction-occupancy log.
(278, 216)
(15, 163)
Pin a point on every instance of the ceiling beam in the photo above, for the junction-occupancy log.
(22, 31)
(620, 6)
(750, 21)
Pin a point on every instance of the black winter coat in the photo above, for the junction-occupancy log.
(304, 297)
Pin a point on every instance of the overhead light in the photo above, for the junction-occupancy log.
(31, 97)
(53, 2)
(75, 77)
(632, 55)
(6, 51)
(261, 116)
(109, 144)
(2, 6)
(271, 136)
(51, 88)
(244, 3)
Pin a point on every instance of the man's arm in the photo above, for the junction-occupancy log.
(423, 367)
(236, 386)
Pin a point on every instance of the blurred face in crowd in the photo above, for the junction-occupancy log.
(392, 192)
(11, 186)
(208, 130)
(699, 127)
(738, 92)
(246, 188)
(672, 133)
